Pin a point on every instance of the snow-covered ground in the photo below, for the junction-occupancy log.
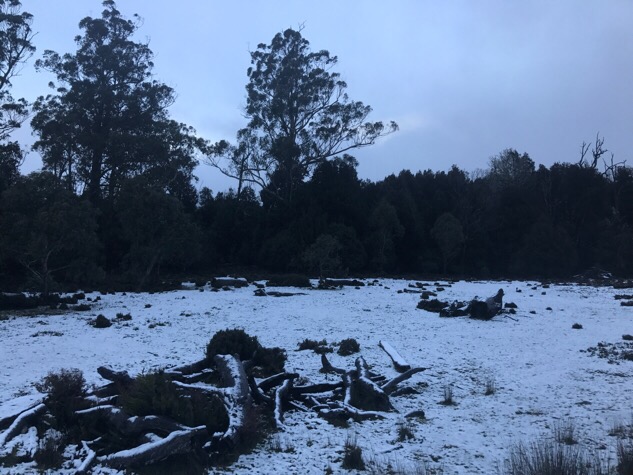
(542, 376)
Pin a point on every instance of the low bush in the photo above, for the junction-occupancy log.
(50, 451)
(155, 394)
(102, 322)
(232, 342)
(124, 316)
(270, 361)
(348, 347)
(319, 347)
(64, 395)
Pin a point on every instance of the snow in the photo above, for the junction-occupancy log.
(542, 375)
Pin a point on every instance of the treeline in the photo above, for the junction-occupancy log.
(549, 222)
(116, 202)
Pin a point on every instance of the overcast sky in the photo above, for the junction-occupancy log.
(463, 79)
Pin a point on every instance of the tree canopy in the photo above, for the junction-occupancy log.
(299, 115)
(108, 118)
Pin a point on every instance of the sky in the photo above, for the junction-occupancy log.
(464, 80)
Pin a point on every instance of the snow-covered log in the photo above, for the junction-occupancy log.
(362, 393)
(192, 368)
(328, 368)
(257, 393)
(119, 377)
(237, 399)
(399, 363)
(88, 461)
(391, 385)
(20, 422)
(280, 395)
(178, 442)
(315, 388)
(275, 380)
(135, 424)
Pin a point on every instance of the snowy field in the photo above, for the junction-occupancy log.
(543, 378)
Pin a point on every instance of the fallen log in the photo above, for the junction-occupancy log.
(133, 425)
(363, 394)
(88, 461)
(328, 368)
(275, 380)
(391, 385)
(189, 369)
(119, 377)
(281, 395)
(399, 363)
(237, 398)
(178, 442)
(315, 388)
(342, 283)
(18, 425)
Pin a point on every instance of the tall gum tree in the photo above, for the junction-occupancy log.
(108, 118)
(16, 47)
(299, 115)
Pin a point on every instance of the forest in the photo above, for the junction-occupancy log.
(116, 203)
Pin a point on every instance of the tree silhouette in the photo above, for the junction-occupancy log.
(108, 118)
(299, 116)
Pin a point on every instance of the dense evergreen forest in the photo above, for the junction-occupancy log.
(116, 202)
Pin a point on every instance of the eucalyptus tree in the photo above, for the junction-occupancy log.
(108, 119)
(16, 48)
(299, 115)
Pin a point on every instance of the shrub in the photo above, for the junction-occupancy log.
(102, 322)
(50, 451)
(577, 326)
(124, 316)
(434, 305)
(270, 360)
(64, 392)
(155, 394)
(82, 307)
(233, 342)
(353, 455)
(348, 346)
(319, 347)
